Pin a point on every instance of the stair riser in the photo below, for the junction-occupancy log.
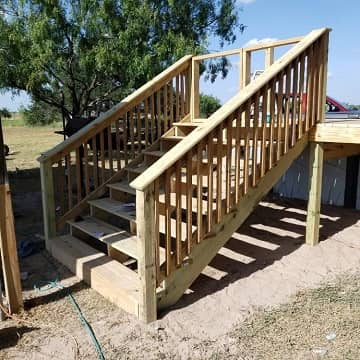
(121, 196)
(118, 221)
(168, 143)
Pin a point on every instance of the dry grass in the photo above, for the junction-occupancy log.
(26, 144)
(298, 330)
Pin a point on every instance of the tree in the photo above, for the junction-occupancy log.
(72, 54)
(40, 113)
(208, 104)
(5, 113)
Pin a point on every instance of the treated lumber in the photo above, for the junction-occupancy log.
(316, 158)
(145, 219)
(108, 277)
(125, 105)
(202, 253)
(270, 44)
(9, 256)
(195, 96)
(338, 151)
(346, 131)
(48, 201)
(178, 151)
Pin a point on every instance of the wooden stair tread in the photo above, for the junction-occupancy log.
(158, 153)
(173, 138)
(108, 277)
(118, 208)
(140, 168)
(122, 186)
(189, 124)
(117, 238)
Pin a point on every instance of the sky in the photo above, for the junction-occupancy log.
(281, 19)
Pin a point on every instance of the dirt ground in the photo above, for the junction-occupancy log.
(266, 295)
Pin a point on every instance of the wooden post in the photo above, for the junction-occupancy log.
(245, 68)
(145, 221)
(9, 257)
(48, 203)
(316, 158)
(195, 96)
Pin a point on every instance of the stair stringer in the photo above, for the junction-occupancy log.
(201, 255)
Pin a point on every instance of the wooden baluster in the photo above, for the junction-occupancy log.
(165, 94)
(95, 161)
(238, 154)
(61, 189)
(138, 129)
(309, 91)
(247, 147)
(263, 132)
(110, 151)
(189, 195)
(317, 59)
(228, 162)
(199, 184)
(323, 75)
(287, 108)
(102, 156)
(178, 195)
(219, 173)
(182, 94)
(294, 101)
(177, 84)
(132, 135)
(86, 168)
(255, 140)
(210, 181)
(146, 113)
(158, 115)
(152, 104)
(117, 131)
(171, 89)
(167, 222)
(301, 95)
(272, 121)
(280, 117)
(69, 180)
(125, 137)
(79, 179)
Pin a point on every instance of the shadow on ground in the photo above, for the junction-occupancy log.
(272, 231)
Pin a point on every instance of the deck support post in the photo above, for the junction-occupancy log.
(48, 204)
(316, 158)
(145, 223)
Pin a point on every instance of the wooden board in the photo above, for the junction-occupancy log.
(108, 277)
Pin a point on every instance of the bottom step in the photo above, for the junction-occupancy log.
(108, 277)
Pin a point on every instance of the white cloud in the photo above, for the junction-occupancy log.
(330, 74)
(257, 41)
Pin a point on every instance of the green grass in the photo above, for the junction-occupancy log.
(19, 122)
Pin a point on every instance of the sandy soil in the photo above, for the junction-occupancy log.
(264, 264)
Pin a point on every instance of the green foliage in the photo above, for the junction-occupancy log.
(5, 113)
(72, 54)
(40, 113)
(208, 105)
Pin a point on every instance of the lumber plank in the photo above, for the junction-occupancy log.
(108, 277)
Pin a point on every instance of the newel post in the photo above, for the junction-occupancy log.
(195, 96)
(145, 224)
(48, 202)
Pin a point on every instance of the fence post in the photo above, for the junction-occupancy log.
(48, 202)
(9, 263)
(145, 223)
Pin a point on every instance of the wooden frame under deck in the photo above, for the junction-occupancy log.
(211, 173)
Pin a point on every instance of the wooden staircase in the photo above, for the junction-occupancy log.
(147, 195)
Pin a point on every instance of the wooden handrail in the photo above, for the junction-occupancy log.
(264, 46)
(178, 151)
(102, 121)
